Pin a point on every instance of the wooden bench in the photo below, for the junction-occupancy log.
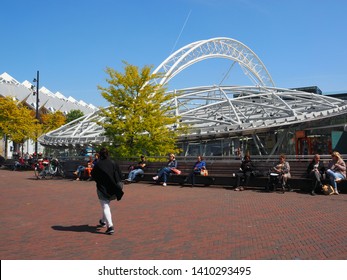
(10, 163)
(152, 169)
(222, 172)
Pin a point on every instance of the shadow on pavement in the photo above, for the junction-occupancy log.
(80, 228)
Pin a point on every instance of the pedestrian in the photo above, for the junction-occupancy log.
(107, 176)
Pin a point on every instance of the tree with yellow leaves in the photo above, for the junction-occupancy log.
(17, 122)
(140, 119)
(51, 121)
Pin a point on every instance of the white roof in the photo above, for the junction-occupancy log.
(49, 100)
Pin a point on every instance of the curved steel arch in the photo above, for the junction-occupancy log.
(221, 47)
(215, 110)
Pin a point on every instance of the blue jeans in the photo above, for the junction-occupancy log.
(80, 171)
(134, 173)
(333, 176)
(164, 172)
(191, 177)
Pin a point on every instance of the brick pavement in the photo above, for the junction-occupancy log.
(56, 220)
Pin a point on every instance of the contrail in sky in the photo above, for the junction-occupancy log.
(184, 25)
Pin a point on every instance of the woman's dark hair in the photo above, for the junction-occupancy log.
(103, 153)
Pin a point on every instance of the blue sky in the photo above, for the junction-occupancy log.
(301, 42)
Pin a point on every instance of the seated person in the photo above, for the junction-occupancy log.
(336, 170)
(199, 165)
(167, 170)
(90, 165)
(280, 172)
(84, 170)
(18, 163)
(245, 173)
(43, 164)
(315, 171)
(138, 169)
(40, 165)
(2, 160)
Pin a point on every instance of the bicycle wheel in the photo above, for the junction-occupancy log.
(49, 175)
(61, 172)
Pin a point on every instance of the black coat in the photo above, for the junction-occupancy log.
(107, 176)
(321, 167)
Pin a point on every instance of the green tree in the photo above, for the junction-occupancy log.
(17, 122)
(140, 119)
(73, 115)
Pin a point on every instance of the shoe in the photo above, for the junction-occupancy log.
(155, 178)
(336, 193)
(77, 179)
(110, 231)
(313, 193)
(237, 189)
(127, 181)
(101, 223)
(242, 189)
(164, 185)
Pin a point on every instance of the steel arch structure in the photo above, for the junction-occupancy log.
(218, 110)
(215, 48)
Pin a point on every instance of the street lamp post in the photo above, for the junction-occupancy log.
(37, 79)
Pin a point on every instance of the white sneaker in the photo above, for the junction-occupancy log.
(164, 184)
(155, 178)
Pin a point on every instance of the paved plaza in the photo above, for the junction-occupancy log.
(56, 220)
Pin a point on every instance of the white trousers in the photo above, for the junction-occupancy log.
(106, 212)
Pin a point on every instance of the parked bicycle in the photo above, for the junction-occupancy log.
(51, 169)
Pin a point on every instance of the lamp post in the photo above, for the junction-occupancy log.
(37, 79)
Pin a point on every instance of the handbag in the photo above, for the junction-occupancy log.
(204, 172)
(176, 171)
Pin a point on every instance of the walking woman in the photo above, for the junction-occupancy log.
(107, 176)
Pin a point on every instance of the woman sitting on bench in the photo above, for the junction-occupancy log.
(166, 171)
(199, 165)
(336, 170)
(279, 174)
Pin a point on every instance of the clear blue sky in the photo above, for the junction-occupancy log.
(71, 42)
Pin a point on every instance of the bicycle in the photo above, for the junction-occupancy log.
(53, 169)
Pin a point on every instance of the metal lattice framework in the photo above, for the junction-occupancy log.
(216, 110)
(250, 109)
(215, 48)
